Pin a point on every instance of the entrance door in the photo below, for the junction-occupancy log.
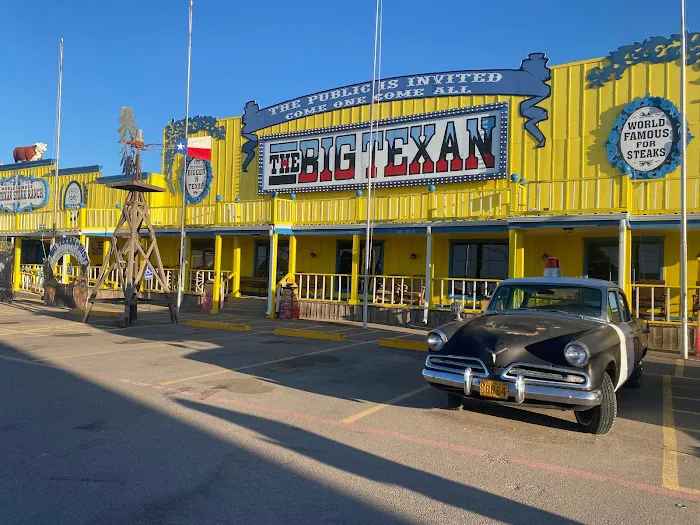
(602, 259)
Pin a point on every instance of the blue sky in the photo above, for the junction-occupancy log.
(134, 54)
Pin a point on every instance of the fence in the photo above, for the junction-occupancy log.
(661, 303)
(333, 287)
(472, 293)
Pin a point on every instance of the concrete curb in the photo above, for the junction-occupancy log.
(95, 313)
(418, 346)
(218, 325)
(309, 334)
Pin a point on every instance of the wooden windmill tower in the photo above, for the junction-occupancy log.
(133, 258)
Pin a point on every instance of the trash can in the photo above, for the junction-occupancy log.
(208, 297)
(289, 301)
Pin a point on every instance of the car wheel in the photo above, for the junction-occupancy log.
(453, 401)
(635, 380)
(600, 419)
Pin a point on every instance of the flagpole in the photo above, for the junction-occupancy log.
(58, 140)
(372, 138)
(181, 277)
(684, 211)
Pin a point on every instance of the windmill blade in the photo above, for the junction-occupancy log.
(127, 125)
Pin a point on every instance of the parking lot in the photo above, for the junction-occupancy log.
(178, 424)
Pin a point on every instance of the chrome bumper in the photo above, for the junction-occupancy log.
(519, 391)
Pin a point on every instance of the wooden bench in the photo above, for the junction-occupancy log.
(259, 283)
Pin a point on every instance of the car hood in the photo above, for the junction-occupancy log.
(501, 339)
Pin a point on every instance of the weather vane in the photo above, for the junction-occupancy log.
(131, 138)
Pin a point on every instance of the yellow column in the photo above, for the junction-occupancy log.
(16, 275)
(188, 253)
(236, 281)
(292, 255)
(516, 253)
(626, 200)
(64, 275)
(272, 286)
(106, 243)
(216, 295)
(355, 272)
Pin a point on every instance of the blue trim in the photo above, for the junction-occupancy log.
(108, 179)
(77, 171)
(565, 224)
(672, 160)
(471, 228)
(27, 165)
(661, 224)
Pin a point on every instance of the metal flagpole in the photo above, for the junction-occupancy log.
(181, 277)
(372, 131)
(684, 221)
(58, 140)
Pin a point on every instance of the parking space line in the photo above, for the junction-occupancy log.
(381, 406)
(686, 429)
(677, 377)
(255, 365)
(685, 398)
(680, 366)
(670, 455)
(687, 412)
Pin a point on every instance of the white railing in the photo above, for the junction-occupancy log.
(472, 293)
(111, 282)
(32, 278)
(323, 286)
(395, 290)
(661, 303)
(171, 279)
(198, 278)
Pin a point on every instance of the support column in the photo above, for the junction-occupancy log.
(516, 253)
(188, 253)
(216, 293)
(236, 281)
(428, 299)
(355, 270)
(624, 269)
(106, 245)
(272, 275)
(292, 255)
(64, 263)
(16, 275)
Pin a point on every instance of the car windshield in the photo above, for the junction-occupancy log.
(574, 300)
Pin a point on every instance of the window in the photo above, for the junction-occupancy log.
(602, 259)
(577, 300)
(479, 260)
(613, 307)
(262, 265)
(647, 259)
(344, 258)
(624, 308)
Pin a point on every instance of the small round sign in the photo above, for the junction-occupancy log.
(197, 178)
(74, 195)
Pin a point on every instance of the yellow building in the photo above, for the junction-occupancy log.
(478, 175)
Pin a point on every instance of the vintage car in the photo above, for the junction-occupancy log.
(554, 342)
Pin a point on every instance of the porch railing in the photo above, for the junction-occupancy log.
(582, 195)
(198, 279)
(394, 290)
(32, 278)
(333, 287)
(661, 303)
(472, 293)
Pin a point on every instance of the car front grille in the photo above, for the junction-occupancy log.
(457, 364)
(546, 375)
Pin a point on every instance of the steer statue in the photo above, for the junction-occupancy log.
(29, 153)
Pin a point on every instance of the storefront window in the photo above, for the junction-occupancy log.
(202, 254)
(647, 259)
(602, 259)
(479, 260)
(262, 252)
(344, 258)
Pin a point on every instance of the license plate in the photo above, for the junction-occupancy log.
(497, 389)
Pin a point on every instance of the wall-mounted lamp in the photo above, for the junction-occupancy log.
(568, 230)
(414, 256)
(312, 255)
(545, 256)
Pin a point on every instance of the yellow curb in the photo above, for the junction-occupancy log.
(310, 334)
(95, 313)
(419, 346)
(218, 325)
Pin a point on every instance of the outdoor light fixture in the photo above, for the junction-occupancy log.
(413, 255)
(545, 256)
(568, 230)
(312, 255)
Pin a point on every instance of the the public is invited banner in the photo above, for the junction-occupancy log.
(467, 144)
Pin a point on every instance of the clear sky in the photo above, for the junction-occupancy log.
(134, 54)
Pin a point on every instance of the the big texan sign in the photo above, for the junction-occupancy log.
(447, 146)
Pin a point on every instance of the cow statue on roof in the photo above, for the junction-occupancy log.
(29, 153)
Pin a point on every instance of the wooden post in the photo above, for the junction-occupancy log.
(216, 292)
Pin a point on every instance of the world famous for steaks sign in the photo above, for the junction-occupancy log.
(467, 144)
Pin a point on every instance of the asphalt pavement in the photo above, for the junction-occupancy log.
(174, 424)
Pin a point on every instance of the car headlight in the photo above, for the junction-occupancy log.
(436, 340)
(577, 354)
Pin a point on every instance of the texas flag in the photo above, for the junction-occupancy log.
(197, 147)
